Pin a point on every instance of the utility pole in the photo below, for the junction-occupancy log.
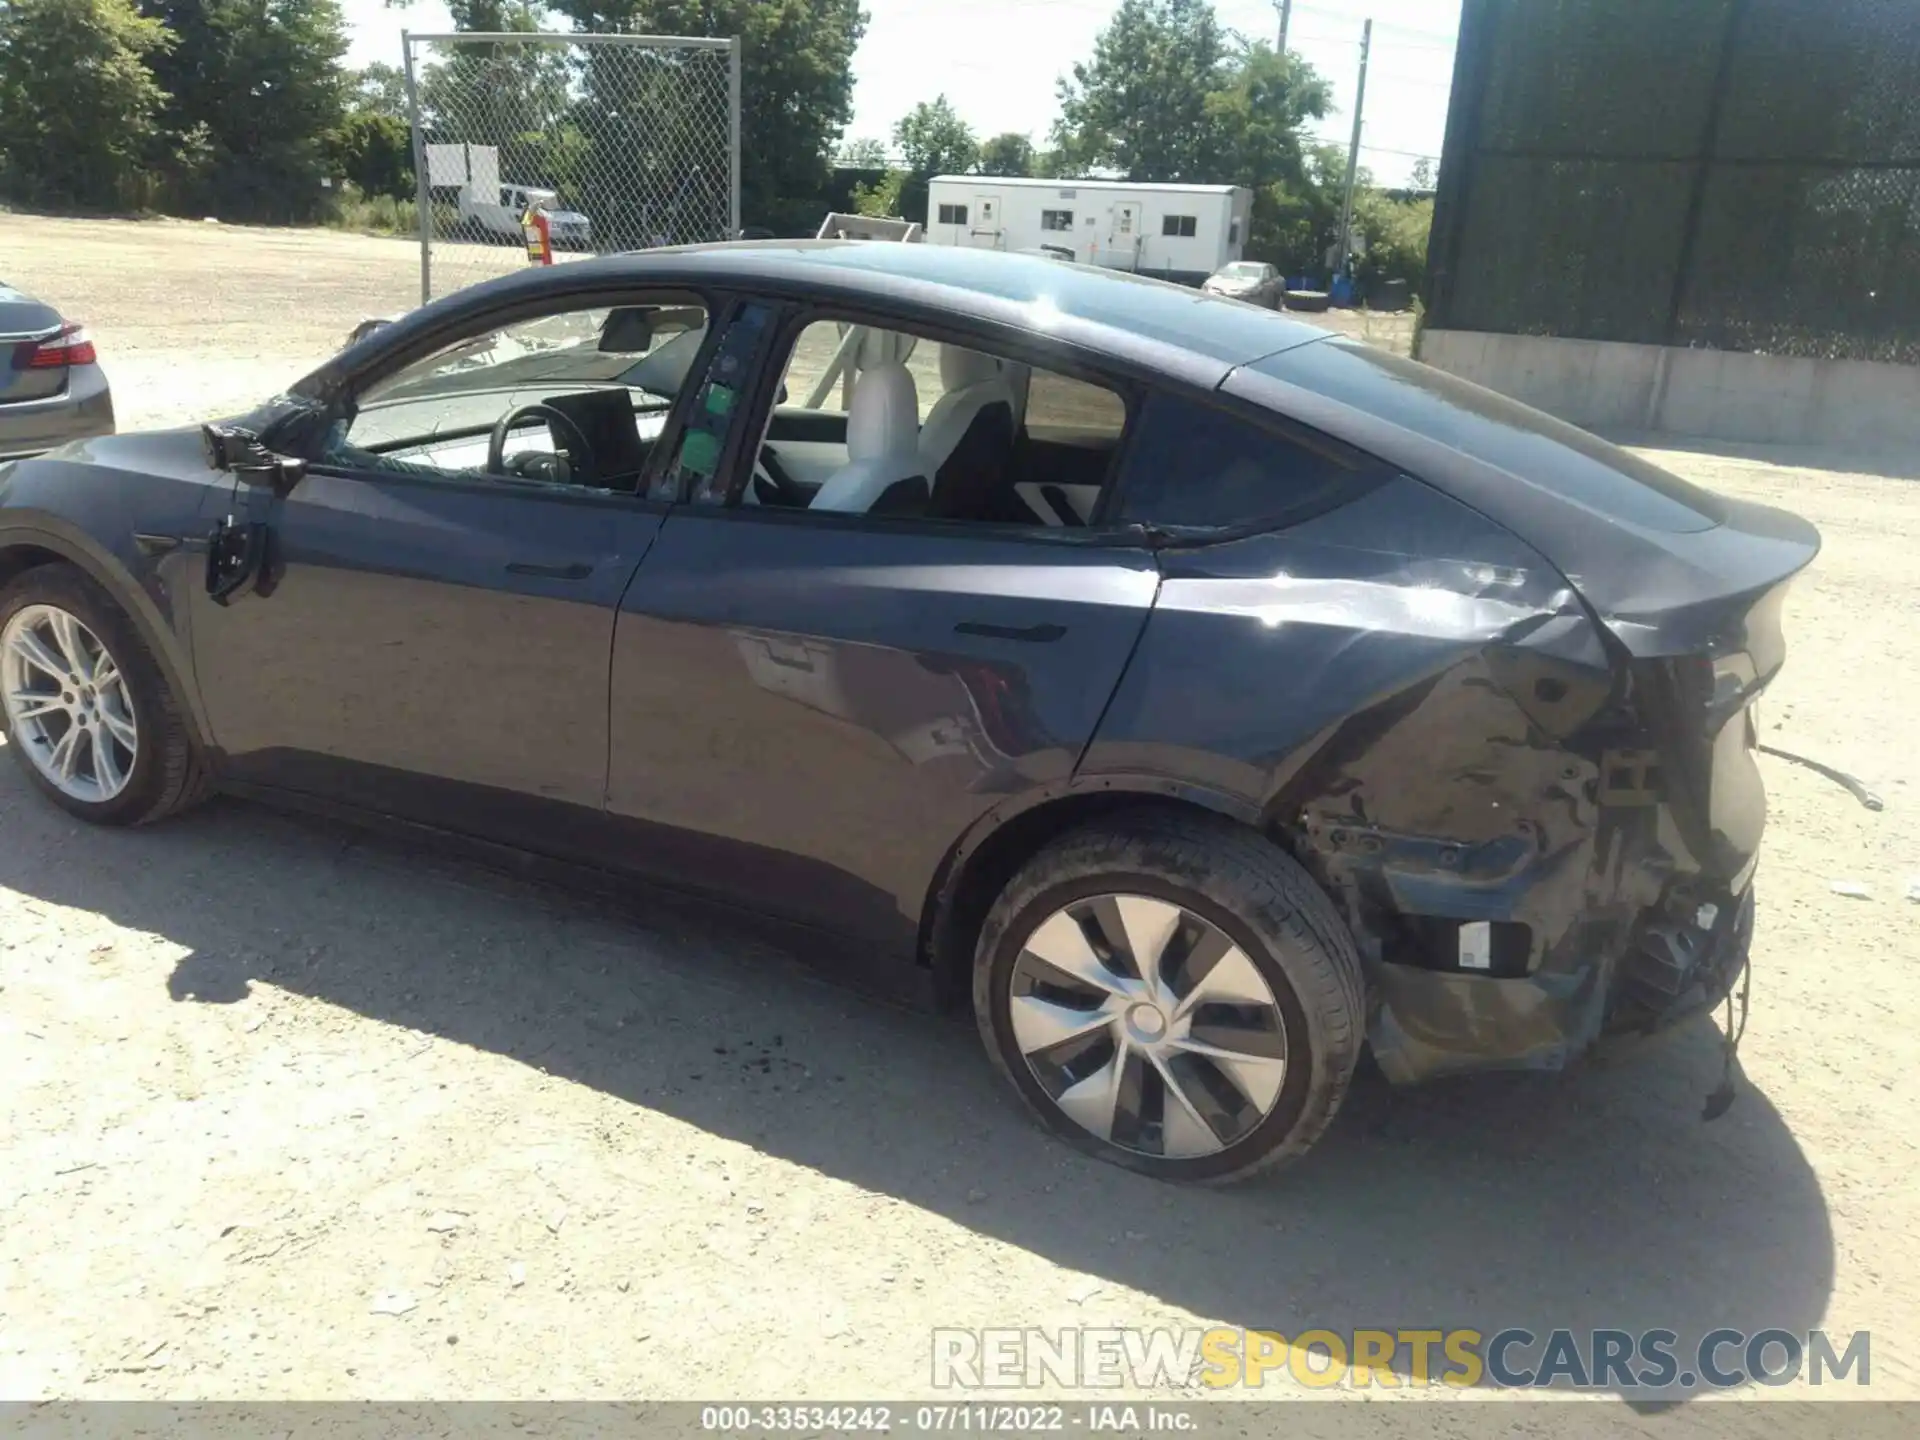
(1353, 154)
(1285, 8)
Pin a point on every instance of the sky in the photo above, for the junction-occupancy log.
(997, 61)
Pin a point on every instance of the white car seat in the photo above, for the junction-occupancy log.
(972, 382)
(883, 452)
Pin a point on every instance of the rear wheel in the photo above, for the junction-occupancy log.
(87, 713)
(1173, 994)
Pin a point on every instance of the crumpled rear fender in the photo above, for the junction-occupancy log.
(1424, 711)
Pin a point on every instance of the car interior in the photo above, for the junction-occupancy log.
(867, 421)
(575, 399)
(878, 422)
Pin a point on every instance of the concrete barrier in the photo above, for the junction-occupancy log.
(1709, 394)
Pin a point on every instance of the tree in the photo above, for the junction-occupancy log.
(1257, 117)
(866, 153)
(1393, 238)
(1422, 173)
(380, 89)
(935, 140)
(882, 198)
(68, 149)
(508, 94)
(1170, 96)
(256, 95)
(1140, 105)
(796, 86)
(1053, 164)
(374, 152)
(1008, 154)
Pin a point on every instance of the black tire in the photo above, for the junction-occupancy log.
(1263, 901)
(168, 775)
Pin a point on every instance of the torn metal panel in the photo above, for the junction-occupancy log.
(1429, 713)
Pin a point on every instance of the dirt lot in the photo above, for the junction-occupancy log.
(262, 1080)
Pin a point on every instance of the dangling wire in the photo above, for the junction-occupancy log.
(1721, 1100)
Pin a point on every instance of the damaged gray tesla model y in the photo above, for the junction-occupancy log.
(1200, 697)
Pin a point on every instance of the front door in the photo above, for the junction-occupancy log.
(986, 222)
(431, 637)
(429, 649)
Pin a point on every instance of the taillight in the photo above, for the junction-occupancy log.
(69, 345)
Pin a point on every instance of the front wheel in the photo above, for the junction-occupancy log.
(87, 713)
(1174, 994)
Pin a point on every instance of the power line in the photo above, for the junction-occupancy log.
(1425, 82)
(1438, 36)
(1327, 39)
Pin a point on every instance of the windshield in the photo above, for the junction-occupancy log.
(464, 388)
(1240, 270)
(553, 350)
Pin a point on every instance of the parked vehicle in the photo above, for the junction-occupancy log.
(52, 388)
(499, 218)
(1247, 280)
(1196, 695)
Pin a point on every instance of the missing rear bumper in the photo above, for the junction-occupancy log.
(1430, 1023)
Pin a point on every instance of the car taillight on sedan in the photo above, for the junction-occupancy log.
(69, 345)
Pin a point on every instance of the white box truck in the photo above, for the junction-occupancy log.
(1174, 232)
(489, 209)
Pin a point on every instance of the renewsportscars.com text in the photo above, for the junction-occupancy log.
(1224, 1358)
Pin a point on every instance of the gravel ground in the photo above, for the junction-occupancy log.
(264, 1081)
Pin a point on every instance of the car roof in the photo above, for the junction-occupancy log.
(1171, 328)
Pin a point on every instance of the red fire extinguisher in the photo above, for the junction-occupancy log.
(538, 228)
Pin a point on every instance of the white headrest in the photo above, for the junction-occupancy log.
(884, 419)
(883, 347)
(961, 368)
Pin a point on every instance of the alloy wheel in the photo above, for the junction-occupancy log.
(67, 704)
(1148, 1026)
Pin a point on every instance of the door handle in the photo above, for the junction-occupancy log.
(1038, 634)
(550, 572)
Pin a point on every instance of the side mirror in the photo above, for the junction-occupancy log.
(238, 451)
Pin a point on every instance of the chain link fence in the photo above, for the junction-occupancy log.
(1733, 174)
(629, 141)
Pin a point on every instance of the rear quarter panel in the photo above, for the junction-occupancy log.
(1420, 708)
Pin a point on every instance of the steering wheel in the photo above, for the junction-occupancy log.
(579, 453)
(772, 476)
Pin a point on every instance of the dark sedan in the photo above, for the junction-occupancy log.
(52, 388)
(1199, 696)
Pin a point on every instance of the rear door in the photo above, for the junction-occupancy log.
(810, 709)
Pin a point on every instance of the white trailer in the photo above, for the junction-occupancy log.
(1177, 232)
